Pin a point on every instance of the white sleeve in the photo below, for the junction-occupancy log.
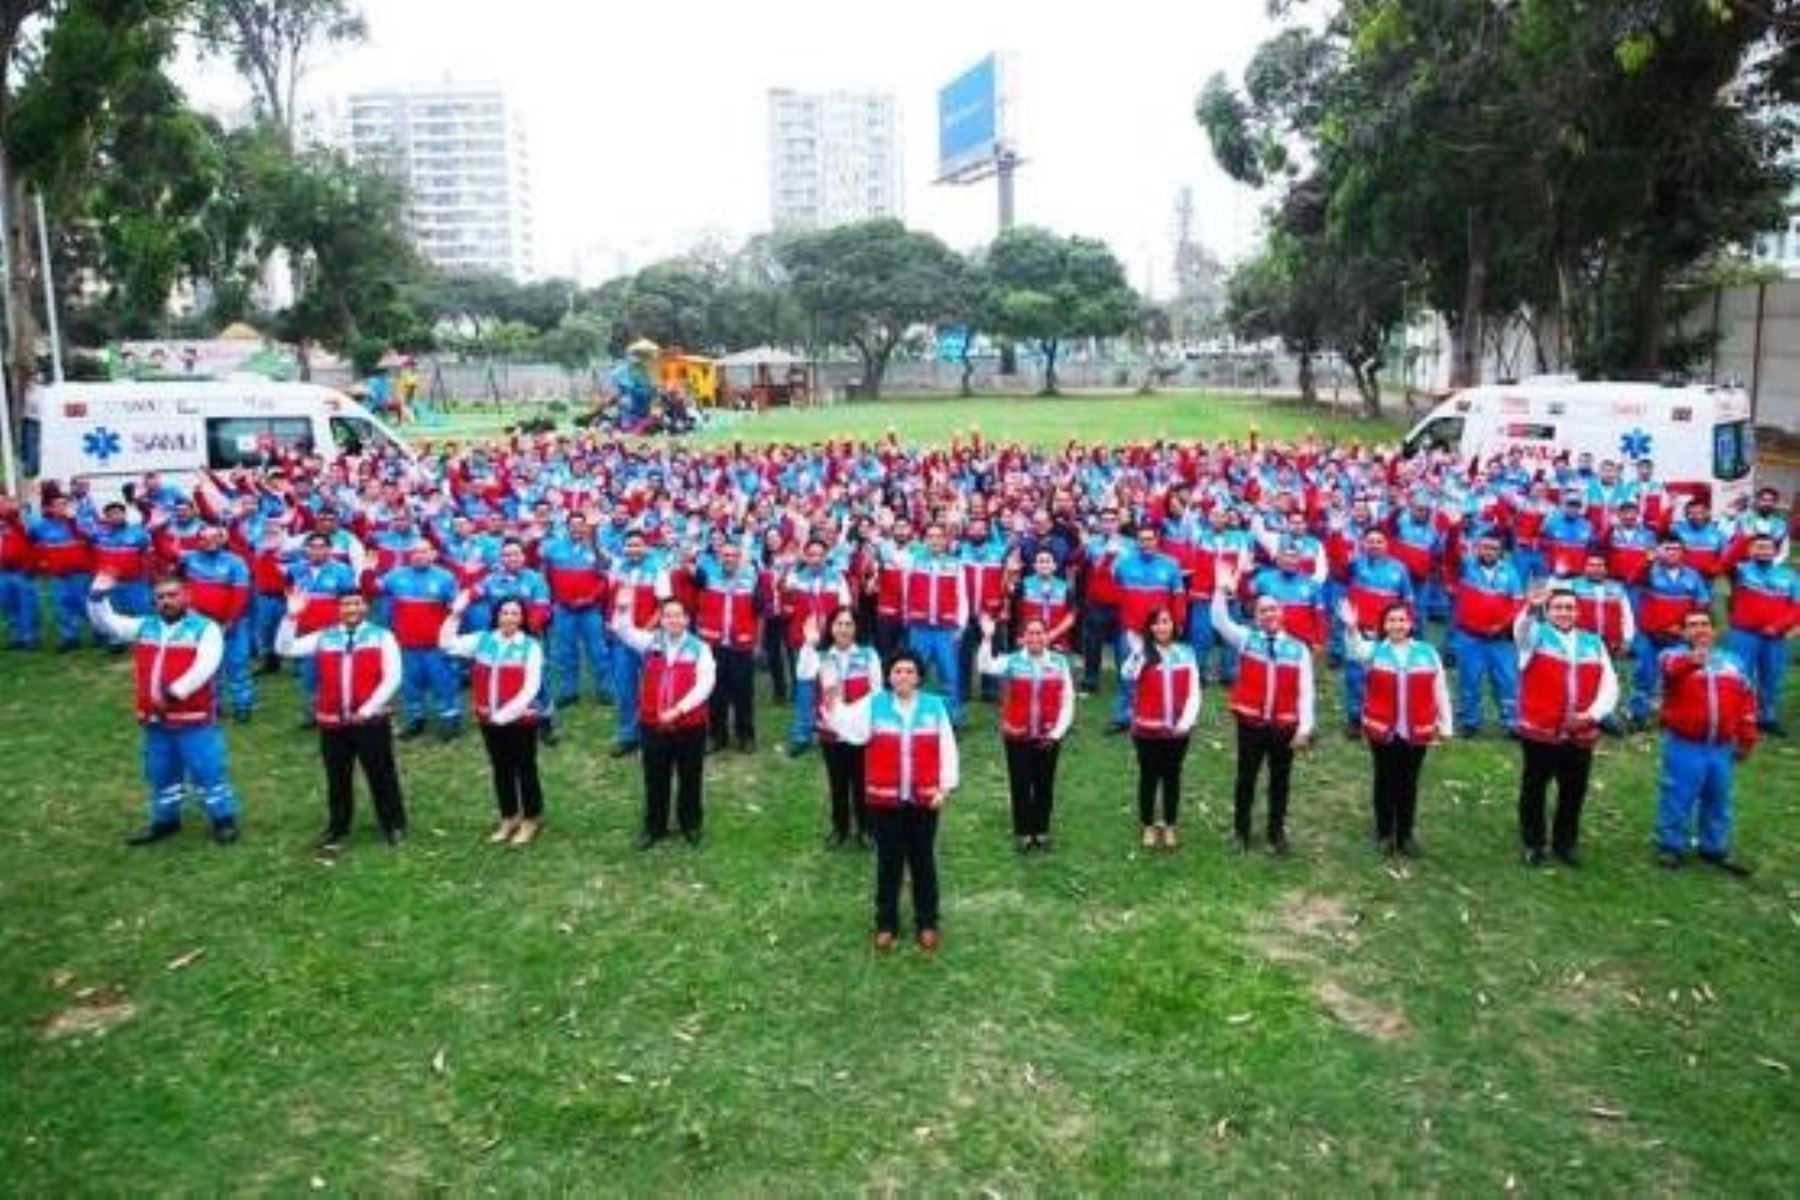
(849, 721)
(391, 672)
(706, 673)
(962, 598)
(1607, 698)
(1065, 715)
(1190, 712)
(1307, 697)
(108, 621)
(638, 639)
(358, 556)
(1524, 631)
(1627, 623)
(458, 645)
(1235, 635)
(1321, 569)
(1357, 648)
(949, 760)
(289, 644)
(1446, 723)
(806, 663)
(514, 709)
(208, 654)
(1132, 667)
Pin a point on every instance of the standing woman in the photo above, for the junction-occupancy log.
(843, 661)
(508, 666)
(678, 679)
(1164, 681)
(1037, 706)
(1406, 707)
(777, 560)
(912, 769)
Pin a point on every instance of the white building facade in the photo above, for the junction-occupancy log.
(462, 153)
(834, 158)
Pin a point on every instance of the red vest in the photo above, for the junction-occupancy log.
(1603, 615)
(903, 764)
(1029, 705)
(890, 587)
(158, 664)
(666, 679)
(810, 597)
(931, 597)
(128, 564)
(983, 583)
(1160, 696)
(495, 680)
(1267, 690)
(1560, 682)
(1714, 704)
(1392, 687)
(727, 615)
(855, 683)
(347, 678)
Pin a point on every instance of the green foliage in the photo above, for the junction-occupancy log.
(1044, 288)
(366, 355)
(270, 42)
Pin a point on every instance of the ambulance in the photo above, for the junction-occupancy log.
(111, 434)
(1699, 437)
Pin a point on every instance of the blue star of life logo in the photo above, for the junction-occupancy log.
(1634, 444)
(101, 443)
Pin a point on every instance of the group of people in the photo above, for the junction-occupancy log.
(884, 588)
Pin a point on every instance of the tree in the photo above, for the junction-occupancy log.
(1045, 289)
(271, 42)
(865, 284)
(577, 343)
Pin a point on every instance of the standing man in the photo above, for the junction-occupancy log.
(937, 608)
(1708, 718)
(812, 591)
(1099, 600)
(1567, 687)
(177, 655)
(1671, 591)
(359, 669)
(677, 680)
(1603, 608)
(730, 606)
(419, 595)
(122, 550)
(577, 579)
(18, 579)
(1375, 581)
(219, 585)
(1145, 580)
(635, 574)
(1489, 595)
(1765, 610)
(321, 579)
(63, 555)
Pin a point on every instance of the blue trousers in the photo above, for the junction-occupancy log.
(1099, 629)
(1493, 661)
(1356, 678)
(1335, 594)
(1434, 600)
(234, 670)
(936, 649)
(1694, 774)
(68, 605)
(806, 699)
(1205, 640)
(428, 687)
(19, 605)
(628, 667)
(266, 613)
(177, 759)
(577, 634)
(1767, 660)
(1646, 674)
(1122, 696)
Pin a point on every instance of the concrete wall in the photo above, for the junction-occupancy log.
(1771, 370)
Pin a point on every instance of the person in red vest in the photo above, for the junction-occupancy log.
(1567, 687)
(359, 670)
(677, 681)
(913, 766)
(729, 610)
(1163, 679)
(1037, 706)
(506, 675)
(1406, 707)
(1708, 720)
(843, 662)
(1272, 702)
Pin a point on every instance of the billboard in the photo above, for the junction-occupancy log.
(969, 111)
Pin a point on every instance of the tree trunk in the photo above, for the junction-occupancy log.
(1466, 331)
(1368, 386)
(20, 283)
(1309, 388)
(1647, 317)
(1050, 349)
(966, 384)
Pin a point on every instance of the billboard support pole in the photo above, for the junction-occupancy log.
(1004, 163)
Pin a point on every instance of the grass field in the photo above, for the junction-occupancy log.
(579, 1017)
(1028, 419)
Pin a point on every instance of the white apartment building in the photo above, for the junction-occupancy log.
(834, 158)
(462, 153)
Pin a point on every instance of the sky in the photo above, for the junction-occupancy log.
(647, 126)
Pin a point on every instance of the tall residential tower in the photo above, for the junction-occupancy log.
(834, 158)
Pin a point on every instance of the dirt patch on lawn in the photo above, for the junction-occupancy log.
(1313, 934)
(93, 1013)
(1362, 1016)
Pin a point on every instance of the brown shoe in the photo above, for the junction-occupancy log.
(1151, 839)
(504, 831)
(928, 941)
(884, 941)
(1169, 839)
(526, 833)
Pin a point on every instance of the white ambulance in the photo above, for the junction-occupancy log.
(1699, 437)
(110, 434)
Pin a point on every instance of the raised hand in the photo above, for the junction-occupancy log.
(103, 583)
(460, 604)
(296, 602)
(809, 628)
(987, 627)
(1347, 614)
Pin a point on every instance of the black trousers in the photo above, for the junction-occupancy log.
(673, 759)
(372, 745)
(1099, 630)
(905, 844)
(973, 682)
(1159, 769)
(731, 698)
(1568, 765)
(1255, 745)
(890, 637)
(512, 758)
(775, 656)
(1031, 776)
(1396, 794)
(844, 774)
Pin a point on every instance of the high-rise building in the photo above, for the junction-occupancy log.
(461, 151)
(834, 157)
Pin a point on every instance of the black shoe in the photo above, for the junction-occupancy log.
(715, 746)
(328, 845)
(1570, 858)
(1511, 735)
(547, 733)
(1670, 860)
(746, 745)
(1773, 729)
(1386, 846)
(1278, 845)
(225, 833)
(796, 749)
(1612, 727)
(152, 833)
(1407, 848)
(837, 839)
(270, 666)
(1240, 845)
(864, 841)
(1116, 728)
(308, 723)
(622, 750)
(395, 836)
(691, 836)
(449, 731)
(412, 729)
(1022, 845)
(647, 840)
(1533, 857)
(1730, 866)
(241, 716)
(1352, 731)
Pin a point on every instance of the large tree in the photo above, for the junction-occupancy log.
(864, 285)
(1046, 289)
(271, 43)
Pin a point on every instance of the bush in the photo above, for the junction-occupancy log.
(535, 425)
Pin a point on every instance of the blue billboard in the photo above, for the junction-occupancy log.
(969, 117)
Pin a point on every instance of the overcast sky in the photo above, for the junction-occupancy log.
(648, 123)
